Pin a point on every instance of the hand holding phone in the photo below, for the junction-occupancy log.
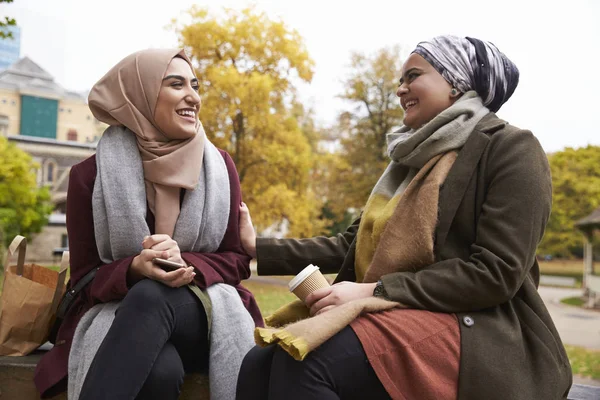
(166, 264)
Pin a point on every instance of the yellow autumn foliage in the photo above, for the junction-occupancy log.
(247, 64)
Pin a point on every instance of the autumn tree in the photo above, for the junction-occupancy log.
(325, 144)
(370, 90)
(246, 64)
(24, 208)
(576, 193)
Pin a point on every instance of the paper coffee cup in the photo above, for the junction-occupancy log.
(307, 281)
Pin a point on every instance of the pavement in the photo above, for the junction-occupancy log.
(576, 326)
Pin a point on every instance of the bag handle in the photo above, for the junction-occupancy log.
(19, 243)
(62, 273)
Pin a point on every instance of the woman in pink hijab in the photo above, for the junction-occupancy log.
(157, 189)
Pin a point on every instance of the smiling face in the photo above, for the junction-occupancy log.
(178, 103)
(423, 92)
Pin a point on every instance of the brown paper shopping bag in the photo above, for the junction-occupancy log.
(28, 302)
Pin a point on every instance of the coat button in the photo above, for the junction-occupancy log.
(468, 321)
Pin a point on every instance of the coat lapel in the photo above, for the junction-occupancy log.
(457, 181)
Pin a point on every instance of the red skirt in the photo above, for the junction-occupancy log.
(415, 353)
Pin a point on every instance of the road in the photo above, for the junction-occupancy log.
(576, 326)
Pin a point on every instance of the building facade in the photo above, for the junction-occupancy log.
(55, 159)
(33, 104)
(56, 127)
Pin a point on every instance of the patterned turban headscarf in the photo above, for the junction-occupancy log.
(472, 64)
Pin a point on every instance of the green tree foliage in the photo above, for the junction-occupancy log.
(24, 208)
(4, 32)
(370, 88)
(328, 164)
(576, 193)
(246, 65)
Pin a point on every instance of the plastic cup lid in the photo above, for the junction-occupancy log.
(298, 279)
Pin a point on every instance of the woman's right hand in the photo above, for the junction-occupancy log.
(247, 233)
(143, 267)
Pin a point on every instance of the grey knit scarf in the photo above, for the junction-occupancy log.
(410, 149)
(447, 131)
(119, 200)
(119, 209)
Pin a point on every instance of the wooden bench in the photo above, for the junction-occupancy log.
(16, 383)
(584, 392)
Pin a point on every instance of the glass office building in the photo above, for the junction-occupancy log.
(10, 48)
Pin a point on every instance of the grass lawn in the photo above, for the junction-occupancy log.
(567, 268)
(573, 301)
(584, 362)
(269, 297)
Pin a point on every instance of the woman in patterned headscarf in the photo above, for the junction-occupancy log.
(436, 295)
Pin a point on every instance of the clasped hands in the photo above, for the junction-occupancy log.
(160, 246)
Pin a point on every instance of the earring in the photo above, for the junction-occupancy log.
(453, 92)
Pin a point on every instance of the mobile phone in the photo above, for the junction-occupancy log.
(166, 264)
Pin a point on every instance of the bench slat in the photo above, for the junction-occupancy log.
(16, 382)
(584, 392)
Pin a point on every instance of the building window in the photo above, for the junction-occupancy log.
(50, 169)
(3, 125)
(39, 116)
(72, 135)
(39, 171)
(61, 207)
(50, 172)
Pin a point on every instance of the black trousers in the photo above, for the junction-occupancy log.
(338, 369)
(158, 334)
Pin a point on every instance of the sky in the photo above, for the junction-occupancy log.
(555, 44)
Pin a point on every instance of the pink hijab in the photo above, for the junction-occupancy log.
(127, 96)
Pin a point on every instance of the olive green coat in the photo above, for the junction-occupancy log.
(493, 209)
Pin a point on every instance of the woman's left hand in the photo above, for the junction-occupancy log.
(170, 251)
(164, 243)
(325, 299)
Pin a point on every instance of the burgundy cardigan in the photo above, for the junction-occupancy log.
(229, 264)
